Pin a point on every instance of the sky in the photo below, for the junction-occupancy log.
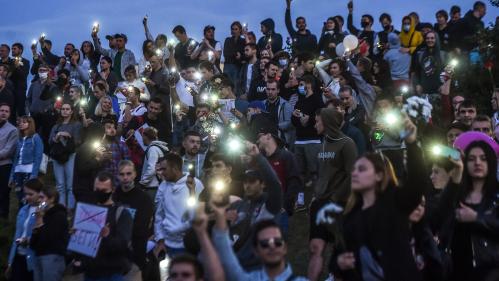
(71, 21)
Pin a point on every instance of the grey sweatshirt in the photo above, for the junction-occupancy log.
(8, 143)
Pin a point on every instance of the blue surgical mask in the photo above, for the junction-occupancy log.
(283, 62)
(301, 90)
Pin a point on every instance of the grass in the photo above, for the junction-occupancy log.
(297, 246)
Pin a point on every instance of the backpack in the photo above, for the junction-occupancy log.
(164, 151)
(60, 151)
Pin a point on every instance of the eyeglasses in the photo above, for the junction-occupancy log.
(183, 274)
(276, 242)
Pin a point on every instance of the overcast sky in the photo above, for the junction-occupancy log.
(71, 21)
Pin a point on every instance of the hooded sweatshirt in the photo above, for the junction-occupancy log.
(276, 37)
(399, 62)
(335, 160)
(411, 39)
(153, 152)
(302, 43)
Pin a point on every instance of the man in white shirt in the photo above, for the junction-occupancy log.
(175, 200)
(248, 70)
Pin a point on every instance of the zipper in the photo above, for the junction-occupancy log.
(473, 253)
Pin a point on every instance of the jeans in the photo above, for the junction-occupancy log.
(49, 268)
(4, 190)
(114, 277)
(64, 181)
(232, 71)
(20, 179)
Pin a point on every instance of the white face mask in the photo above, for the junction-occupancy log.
(43, 75)
(283, 62)
(407, 27)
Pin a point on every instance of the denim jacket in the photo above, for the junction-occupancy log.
(21, 218)
(29, 151)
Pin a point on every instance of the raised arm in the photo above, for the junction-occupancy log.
(366, 92)
(325, 77)
(272, 183)
(287, 19)
(353, 30)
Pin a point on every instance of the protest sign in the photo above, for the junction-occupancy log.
(88, 223)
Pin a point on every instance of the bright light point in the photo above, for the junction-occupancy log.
(34, 42)
(233, 125)
(210, 54)
(204, 97)
(214, 98)
(270, 40)
(317, 62)
(191, 202)
(58, 98)
(43, 35)
(96, 24)
(404, 89)
(190, 167)
(219, 186)
(292, 69)
(192, 43)
(159, 52)
(143, 79)
(171, 42)
(454, 62)
(173, 70)
(234, 145)
(436, 150)
(197, 75)
(245, 24)
(83, 102)
(217, 131)
(130, 88)
(96, 144)
(177, 106)
(347, 50)
(390, 119)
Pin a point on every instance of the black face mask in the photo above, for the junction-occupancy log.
(101, 197)
(364, 24)
(387, 27)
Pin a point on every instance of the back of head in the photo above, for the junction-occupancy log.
(394, 40)
(332, 120)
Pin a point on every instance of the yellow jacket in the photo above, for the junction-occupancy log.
(411, 39)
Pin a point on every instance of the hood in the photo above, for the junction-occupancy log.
(269, 24)
(413, 27)
(394, 40)
(161, 144)
(332, 119)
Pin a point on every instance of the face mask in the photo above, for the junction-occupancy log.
(364, 24)
(101, 197)
(407, 27)
(43, 75)
(283, 62)
(386, 27)
(301, 90)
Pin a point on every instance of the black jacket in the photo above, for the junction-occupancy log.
(361, 34)
(52, 237)
(113, 256)
(384, 227)
(143, 208)
(464, 31)
(257, 90)
(232, 46)
(301, 43)
(276, 42)
(327, 38)
(307, 106)
(243, 77)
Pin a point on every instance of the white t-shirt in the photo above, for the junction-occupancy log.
(138, 111)
(249, 76)
(184, 95)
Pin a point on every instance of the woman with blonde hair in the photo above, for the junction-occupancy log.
(28, 156)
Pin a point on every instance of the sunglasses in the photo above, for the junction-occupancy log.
(183, 274)
(276, 242)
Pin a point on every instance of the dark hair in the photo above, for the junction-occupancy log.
(490, 186)
(345, 89)
(308, 79)
(144, 46)
(108, 60)
(455, 9)
(71, 105)
(467, 103)
(300, 18)
(77, 52)
(442, 13)
(407, 18)
(188, 259)
(19, 45)
(371, 19)
(207, 65)
(304, 57)
(339, 19)
(482, 118)
(458, 125)
(51, 192)
(64, 71)
(238, 24)
(34, 184)
(271, 62)
(385, 16)
(7, 68)
(5, 46)
(478, 5)
(131, 68)
(260, 226)
(179, 29)
(222, 158)
(191, 133)
(157, 100)
(92, 48)
(251, 45)
(109, 121)
(104, 176)
(72, 45)
(5, 104)
(174, 160)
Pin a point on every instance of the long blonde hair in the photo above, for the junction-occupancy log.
(382, 165)
(98, 108)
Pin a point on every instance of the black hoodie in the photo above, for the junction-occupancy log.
(52, 237)
(276, 37)
(302, 43)
(335, 160)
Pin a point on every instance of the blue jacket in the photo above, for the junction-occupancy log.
(29, 151)
(22, 216)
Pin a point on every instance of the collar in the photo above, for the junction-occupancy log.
(176, 186)
(285, 275)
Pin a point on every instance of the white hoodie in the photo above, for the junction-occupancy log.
(154, 152)
(171, 205)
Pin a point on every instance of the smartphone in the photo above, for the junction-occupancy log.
(445, 151)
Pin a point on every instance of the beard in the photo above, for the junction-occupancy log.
(273, 265)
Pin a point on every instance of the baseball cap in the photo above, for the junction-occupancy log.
(208, 27)
(271, 129)
(251, 175)
(109, 37)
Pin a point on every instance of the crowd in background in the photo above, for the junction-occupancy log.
(202, 151)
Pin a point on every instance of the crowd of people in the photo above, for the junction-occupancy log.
(203, 151)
